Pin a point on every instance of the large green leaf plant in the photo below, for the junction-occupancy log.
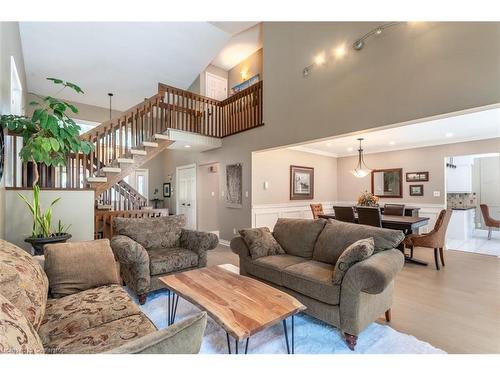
(49, 135)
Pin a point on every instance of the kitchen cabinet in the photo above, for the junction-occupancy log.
(459, 179)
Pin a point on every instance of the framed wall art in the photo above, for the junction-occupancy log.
(167, 191)
(416, 190)
(417, 176)
(301, 182)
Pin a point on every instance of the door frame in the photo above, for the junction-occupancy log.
(177, 205)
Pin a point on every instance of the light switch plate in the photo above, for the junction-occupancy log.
(437, 193)
(246, 194)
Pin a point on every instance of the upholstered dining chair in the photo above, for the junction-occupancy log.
(394, 209)
(317, 209)
(344, 213)
(435, 239)
(369, 216)
(488, 220)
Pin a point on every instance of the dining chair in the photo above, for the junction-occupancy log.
(394, 209)
(435, 239)
(344, 213)
(488, 220)
(317, 209)
(369, 216)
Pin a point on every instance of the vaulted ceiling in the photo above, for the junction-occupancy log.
(125, 58)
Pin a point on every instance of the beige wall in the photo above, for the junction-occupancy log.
(429, 159)
(10, 45)
(208, 197)
(274, 167)
(85, 111)
(406, 74)
(75, 208)
(253, 66)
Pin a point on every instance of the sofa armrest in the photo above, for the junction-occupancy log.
(374, 274)
(195, 240)
(134, 263)
(199, 242)
(239, 246)
(184, 337)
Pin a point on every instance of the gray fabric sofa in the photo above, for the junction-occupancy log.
(312, 248)
(148, 248)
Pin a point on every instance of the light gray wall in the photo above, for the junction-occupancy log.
(430, 159)
(75, 208)
(407, 73)
(274, 167)
(252, 64)
(10, 45)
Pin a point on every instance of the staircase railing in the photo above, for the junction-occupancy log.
(122, 196)
(170, 108)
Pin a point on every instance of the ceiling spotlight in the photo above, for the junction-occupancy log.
(358, 45)
(340, 51)
(329, 144)
(320, 59)
(187, 146)
(350, 149)
(449, 135)
(392, 143)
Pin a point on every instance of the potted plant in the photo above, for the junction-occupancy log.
(42, 232)
(368, 199)
(49, 135)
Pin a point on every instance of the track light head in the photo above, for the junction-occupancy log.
(358, 45)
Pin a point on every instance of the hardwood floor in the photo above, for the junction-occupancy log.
(456, 309)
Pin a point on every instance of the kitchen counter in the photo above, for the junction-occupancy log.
(461, 226)
(464, 208)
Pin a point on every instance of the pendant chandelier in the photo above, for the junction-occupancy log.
(361, 169)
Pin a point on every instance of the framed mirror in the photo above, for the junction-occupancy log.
(387, 183)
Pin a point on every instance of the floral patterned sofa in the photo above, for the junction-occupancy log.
(99, 320)
(148, 248)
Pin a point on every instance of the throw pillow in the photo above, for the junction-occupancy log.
(23, 282)
(261, 242)
(17, 335)
(77, 266)
(353, 254)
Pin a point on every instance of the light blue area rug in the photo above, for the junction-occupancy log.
(311, 335)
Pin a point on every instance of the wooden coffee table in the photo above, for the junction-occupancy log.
(242, 306)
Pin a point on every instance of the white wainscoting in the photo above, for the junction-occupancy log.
(266, 215)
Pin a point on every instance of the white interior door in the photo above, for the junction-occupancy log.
(215, 87)
(139, 180)
(186, 194)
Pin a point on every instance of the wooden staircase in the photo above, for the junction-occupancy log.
(139, 134)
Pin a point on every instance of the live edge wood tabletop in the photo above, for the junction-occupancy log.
(242, 306)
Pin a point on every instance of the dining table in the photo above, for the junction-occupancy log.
(407, 224)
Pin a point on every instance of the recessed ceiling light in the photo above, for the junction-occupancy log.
(392, 143)
(449, 135)
(350, 149)
(187, 146)
(329, 144)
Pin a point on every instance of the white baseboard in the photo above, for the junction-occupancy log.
(223, 242)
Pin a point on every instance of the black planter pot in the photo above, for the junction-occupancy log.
(39, 243)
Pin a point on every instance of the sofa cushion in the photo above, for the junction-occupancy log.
(77, 266)
(356, 252)
(23, 282)
(107, 336)
(270, 268)
(17, 335)
(155, 232)
(313, 279)
(298, 236)
(71, 315)
(261, 242)
(163, 261)
(338, 235)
